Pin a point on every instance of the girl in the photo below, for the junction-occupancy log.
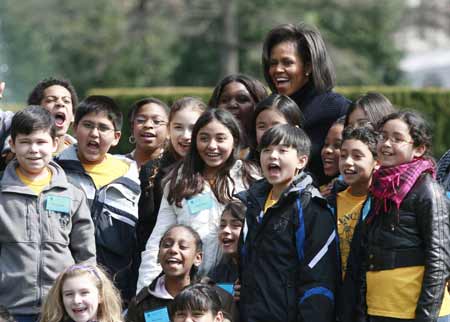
(406, 256)
(198, 191)
(239, 94)
(371, 107)
(82, 293)
(180, 255)
(296, 63)
(182, 117)
(273, 110)
(330, 154)
(230, 228)
(198, 302)
(148, 122)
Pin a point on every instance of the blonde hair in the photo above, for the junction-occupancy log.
(110, 303)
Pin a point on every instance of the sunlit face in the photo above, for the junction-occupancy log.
(197, 316)
(150, 127)
(96, 135)
(180, 129)
(356, 164)
(229, 232)
(33, 152)
(287, 70)
(81, 298)
(58, 101)
(357, 116)
(178, 252)
(236, 99)
(395, 145)
(215, 145)
(266, 120)
(280, 164)
(331, 150)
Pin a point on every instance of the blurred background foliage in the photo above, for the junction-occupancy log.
(137, 43)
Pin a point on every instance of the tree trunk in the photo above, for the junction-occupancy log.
(230, 54)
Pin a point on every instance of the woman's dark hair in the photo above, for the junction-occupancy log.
(198, 243)
(32, 118)
(236, 209)
(419, 129)
(37, 94)
(310, 48)
(189, 181)
(288, 135)
(256, 89)
(363, 132)
(196, 298)
(136, 107)
(374, 105)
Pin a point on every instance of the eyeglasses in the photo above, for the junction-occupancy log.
(102, 128)
(382, 137)
(154, 122)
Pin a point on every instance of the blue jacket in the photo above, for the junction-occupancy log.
(288, 260)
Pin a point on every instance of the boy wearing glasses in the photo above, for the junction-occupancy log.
(111, 184)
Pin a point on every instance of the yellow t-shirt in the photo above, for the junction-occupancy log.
(395, 292)
(348, 212)
(269, 202)
(36, 185)
(106, 171)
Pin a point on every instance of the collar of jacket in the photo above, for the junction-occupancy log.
(305, 95)
(11, 183)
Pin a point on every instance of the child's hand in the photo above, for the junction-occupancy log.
(2, 88)
(237, 291)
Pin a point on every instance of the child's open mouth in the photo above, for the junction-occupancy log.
(273, 169)
(60, 119)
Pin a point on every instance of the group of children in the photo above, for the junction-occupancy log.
(214, 215)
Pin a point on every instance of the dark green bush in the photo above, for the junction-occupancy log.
(434, 104)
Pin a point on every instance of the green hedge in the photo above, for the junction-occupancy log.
(433, 103)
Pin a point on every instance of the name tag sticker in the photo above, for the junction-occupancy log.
(199, 203)
(227, 287)
(58, 204)
(159, 315)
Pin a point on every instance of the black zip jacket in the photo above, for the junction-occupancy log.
(288, 258)
(417, 234)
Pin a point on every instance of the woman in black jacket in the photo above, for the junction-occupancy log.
(296, 64)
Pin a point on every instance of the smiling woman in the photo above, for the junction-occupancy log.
(296, 63)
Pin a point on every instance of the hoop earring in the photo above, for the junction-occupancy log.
(132, 139)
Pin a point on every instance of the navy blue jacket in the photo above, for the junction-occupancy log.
(289, 258)
(320, 112)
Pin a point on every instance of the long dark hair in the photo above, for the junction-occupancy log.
(188, 180)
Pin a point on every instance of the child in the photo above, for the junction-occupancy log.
(182, 117)
(149, 130)
(230, 227)
(273, 110)
(239, 94)
(44, 220)
(110, 183)
(5, 127)
(180, 255)
(371, 107)
(59, 97)
(82, 293)
(199, 189)
(197, 302)
(330, 154)
(406, 254)
(288, 251)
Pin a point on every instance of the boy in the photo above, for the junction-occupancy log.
(45, 224)
(288, 248)
(111, 184)
(59, 97)
(350, 206)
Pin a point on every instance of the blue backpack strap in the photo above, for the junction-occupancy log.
(300, 232)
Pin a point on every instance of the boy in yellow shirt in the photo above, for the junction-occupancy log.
(111, 184)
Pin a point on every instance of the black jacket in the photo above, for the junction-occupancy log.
(320, 112)
(417, 234)
(289, 258)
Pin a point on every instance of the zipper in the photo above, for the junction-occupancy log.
(40, 259)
